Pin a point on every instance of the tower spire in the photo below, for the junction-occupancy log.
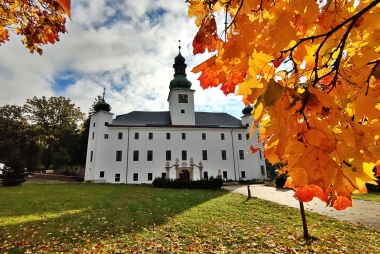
(179, 46)
(104, 92)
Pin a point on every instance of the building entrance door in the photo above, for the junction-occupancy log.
(184, 175)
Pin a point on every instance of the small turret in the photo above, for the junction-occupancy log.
(102, 105)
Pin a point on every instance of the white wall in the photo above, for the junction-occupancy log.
(193, 144)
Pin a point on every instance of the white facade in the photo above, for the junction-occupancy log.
(137, 147)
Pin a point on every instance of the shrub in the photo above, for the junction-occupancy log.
(14, 173)
(211, 183)
(280, 180)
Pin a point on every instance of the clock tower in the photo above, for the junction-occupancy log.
(181, 97)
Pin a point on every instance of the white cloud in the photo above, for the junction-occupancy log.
(112, 44)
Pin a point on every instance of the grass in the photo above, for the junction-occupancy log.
(105, 218)
(372, 196)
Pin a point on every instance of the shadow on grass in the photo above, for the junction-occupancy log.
(77, 213)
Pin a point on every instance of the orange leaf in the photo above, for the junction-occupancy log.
(341, 203)
(378, 168)
(308, 192)
(208, 78)
(253, 149)
(66, 6)
(206, 38)
(231, 80)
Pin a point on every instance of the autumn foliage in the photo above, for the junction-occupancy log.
(312, 72)
(38, 21)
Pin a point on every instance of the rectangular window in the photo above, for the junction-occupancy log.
(117, 177)
(136, 135)
(261, 155)
(163, 175)
(205, 175)
(149, 155)
(168, 155)
(135, 155)
(247, 136)
(101, 175)
(241, 154)
(93, 135)
(183, 136)
(120, 135)
(105, 136)
(184, 155)
(168, 135)
(92, 154)
(222, 136)
(242, 174)
(135, 177)
(93, 125)
(150, 135)
(224, 156)
(239, 136)
(105, 123)
(247, 125)
(203, 136)
(119, 155)
(150, 176)
(204, 155)
(225, 174)
(262, 170)
(182, 111)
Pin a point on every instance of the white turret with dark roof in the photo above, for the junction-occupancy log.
(141, 145)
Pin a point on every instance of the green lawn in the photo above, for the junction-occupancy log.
(99, 218)
(372, 196)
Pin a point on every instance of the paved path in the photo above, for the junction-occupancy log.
(364, 212)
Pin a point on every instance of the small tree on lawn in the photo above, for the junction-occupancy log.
(14, 173)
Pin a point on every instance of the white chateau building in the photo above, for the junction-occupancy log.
(137, 147)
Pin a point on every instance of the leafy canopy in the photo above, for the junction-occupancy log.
(38, 21)
(312, 71)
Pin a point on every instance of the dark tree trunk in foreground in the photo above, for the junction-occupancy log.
(304, 225)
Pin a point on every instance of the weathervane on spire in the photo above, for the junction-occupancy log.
(104, 92)
(179, 47)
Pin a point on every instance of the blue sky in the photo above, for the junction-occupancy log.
(126, 46)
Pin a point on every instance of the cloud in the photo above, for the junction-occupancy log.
(126, 46)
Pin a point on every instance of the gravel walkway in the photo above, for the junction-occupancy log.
(364, 212)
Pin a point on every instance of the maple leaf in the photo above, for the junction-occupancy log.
(66, 6)
(206, 37)
(312, 73)
(39, 22)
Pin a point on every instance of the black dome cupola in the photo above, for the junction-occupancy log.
(102, 105)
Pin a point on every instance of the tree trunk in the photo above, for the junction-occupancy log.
(305, 231)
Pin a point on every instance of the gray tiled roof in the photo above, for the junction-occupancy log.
(162, 118)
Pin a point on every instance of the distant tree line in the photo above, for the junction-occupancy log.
(44, 132)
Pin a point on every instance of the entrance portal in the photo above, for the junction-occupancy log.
(184, 175)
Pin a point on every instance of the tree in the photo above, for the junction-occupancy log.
(38, 21)
(57, 122)
(312, 70)
(14, 173)
(61, 158)
(13, 125)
